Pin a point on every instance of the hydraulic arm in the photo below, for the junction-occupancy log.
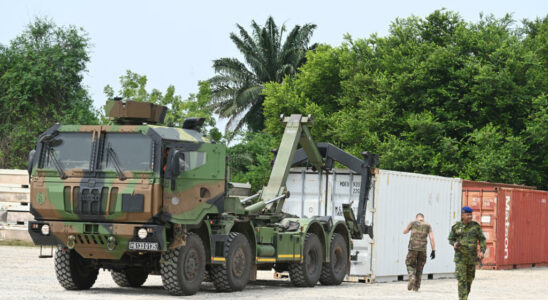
(296, 132)
(331, 154)
(321, 156)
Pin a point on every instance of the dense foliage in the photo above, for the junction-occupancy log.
(438, 95)
(41, 84)
(237, 87)
(250, 159)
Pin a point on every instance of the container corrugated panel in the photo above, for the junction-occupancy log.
(395, 199)
(307, 193)
(522, 230)
(398, 197)
(514, 221)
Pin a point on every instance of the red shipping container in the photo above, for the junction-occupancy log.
(469, 184)
(514, 221)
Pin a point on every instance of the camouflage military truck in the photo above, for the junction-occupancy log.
(140, 199)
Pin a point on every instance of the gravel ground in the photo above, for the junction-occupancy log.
(24, 276)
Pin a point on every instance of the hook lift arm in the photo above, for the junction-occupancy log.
(322, 157)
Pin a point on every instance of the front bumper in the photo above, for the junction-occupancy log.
(97, 240)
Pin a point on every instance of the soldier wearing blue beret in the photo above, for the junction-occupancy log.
(464, 238)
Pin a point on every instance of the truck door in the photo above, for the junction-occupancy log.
(197, 185)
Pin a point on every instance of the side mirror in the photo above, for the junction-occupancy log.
(31, 161)
(174, 164)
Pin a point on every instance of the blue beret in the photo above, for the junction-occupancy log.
(467, 209)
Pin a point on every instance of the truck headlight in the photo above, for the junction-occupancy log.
(45, 229)
(142, 233)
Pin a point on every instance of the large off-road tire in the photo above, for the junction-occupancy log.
(129, 277)
(183, 268)
(234, 274)
(207, 277)
(333, 272)
(307, 273)
(74, 272)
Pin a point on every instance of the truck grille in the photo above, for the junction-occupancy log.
(90, 201)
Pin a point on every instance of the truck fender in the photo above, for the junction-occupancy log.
(313, 226)
(340, 228)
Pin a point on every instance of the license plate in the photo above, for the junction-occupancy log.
(143, 246)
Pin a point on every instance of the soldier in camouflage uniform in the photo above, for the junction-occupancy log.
(464, 237)
(416, 257)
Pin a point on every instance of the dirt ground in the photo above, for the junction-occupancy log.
(24, 276)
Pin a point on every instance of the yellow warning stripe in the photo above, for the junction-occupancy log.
(266, 259)
(217, 258)
(289, 256)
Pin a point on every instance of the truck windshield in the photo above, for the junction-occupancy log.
(72, 150)
(128, 152)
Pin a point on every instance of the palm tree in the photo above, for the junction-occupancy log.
(237, 87)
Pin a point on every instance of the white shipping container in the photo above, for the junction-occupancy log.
(395, 199)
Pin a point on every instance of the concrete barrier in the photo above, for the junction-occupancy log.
(14, 205)
(14, 193)
(15, 232)
(18, 177)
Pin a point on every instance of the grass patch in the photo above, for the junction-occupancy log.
(16, 243)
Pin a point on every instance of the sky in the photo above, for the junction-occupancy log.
(175, 42)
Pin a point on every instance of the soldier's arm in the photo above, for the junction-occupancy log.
(452, 239)
(408, 228)
(432, 243)
(481, 238)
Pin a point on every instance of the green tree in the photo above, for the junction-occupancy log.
(237, 87)
(250, 160)
(41, 84)
(537, 139)
(437, 95)
(133, 86)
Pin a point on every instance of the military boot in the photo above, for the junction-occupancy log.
(411, 283)
(417, 285)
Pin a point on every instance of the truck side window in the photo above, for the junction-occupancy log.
(192, 160)
(164, 160)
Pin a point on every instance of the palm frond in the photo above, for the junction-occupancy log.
(232, 67)
(269, 55)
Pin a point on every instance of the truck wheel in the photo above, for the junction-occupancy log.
(234, 274)
(307, 273)
(73, 271)
(129, 277)
(183, 268)
(207, 278)
(333, 272)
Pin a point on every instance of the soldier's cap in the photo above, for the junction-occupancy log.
(467, 209)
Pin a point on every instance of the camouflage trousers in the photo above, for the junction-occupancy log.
(465, 275)
(415, 263)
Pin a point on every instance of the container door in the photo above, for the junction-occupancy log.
(484, 204)
(522, 228)
(343, 188)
